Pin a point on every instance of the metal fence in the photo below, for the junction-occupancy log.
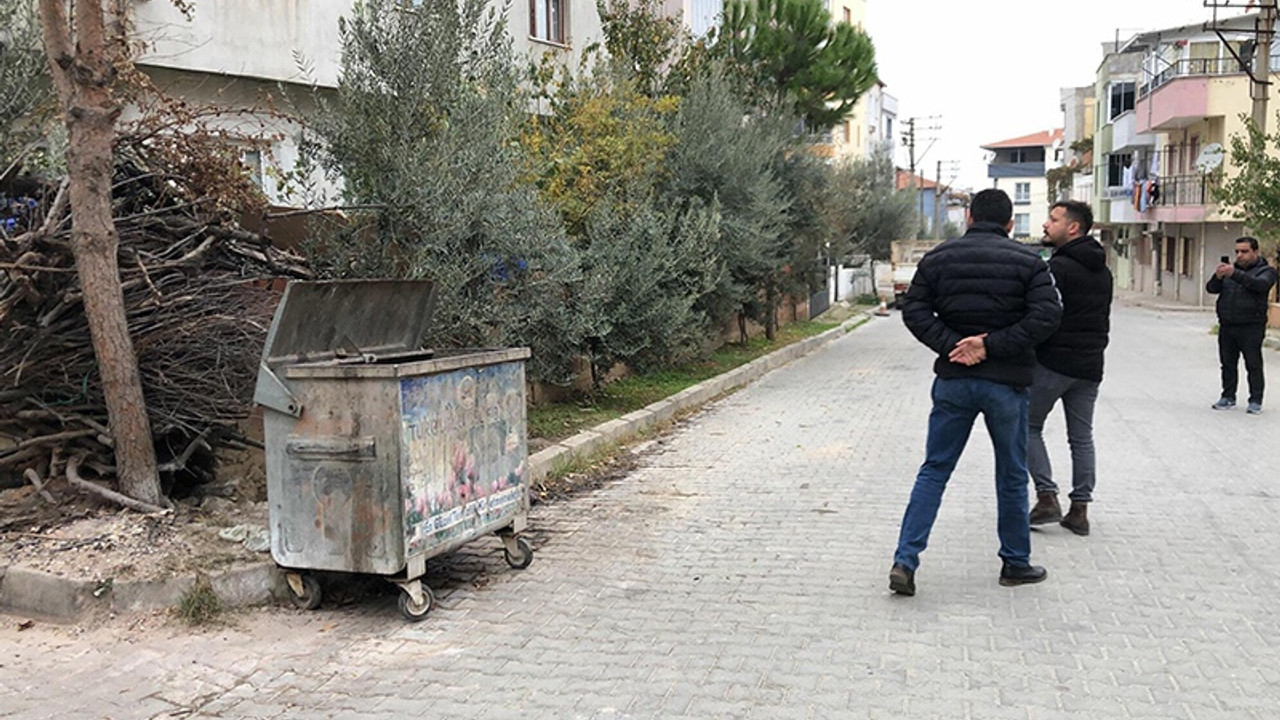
(1190, 66)
(819, 302)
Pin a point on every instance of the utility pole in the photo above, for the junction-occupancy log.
(1260, 83)
(910, 137)
(939, 200)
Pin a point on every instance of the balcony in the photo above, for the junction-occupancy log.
(1016, 170)
(1179, 95)
(1125, 135)
(1186, 190)
(1183, 198)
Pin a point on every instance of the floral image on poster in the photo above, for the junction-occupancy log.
(463, 452)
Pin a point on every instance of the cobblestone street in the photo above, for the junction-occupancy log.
(741, 572)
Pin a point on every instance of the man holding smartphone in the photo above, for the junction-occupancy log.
(1242, 288)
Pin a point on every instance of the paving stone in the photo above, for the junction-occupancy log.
(740, 571)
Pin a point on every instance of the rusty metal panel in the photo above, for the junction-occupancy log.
(463, 454)
(319, 320)
(441, 361)
(333, 479)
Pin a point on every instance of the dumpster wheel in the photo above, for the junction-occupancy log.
(304, 590)
(523, 555)
(413, 610)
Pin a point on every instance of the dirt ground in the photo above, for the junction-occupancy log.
(84, 537)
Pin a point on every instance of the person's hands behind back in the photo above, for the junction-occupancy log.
(969, 351)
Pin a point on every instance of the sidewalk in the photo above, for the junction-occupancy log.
(1151, 302)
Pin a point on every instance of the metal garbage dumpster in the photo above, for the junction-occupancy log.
(381, 454)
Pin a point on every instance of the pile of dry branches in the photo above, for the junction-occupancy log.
(199, 302)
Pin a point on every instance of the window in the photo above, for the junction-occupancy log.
(1170, 247)
(848, 17)
(1022, 193)
(1122, 96)
(1188, 255)
(252, 161)
(546, 20)
(1022, 225)
(1018, 156)
(1117, 164)
(848, 132)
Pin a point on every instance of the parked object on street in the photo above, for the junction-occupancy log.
(905, 255)
(381, 454)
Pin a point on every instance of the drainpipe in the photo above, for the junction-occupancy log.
(1179, 249)
(1200, 294)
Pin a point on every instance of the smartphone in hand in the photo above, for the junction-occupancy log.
(1225, 260)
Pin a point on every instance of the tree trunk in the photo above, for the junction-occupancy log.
(83, 65)
(771, 311)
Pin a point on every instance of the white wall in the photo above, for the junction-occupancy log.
(233, 52)
(260, 39)
(247, 38)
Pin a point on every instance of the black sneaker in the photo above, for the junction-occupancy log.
(1022, 574)
(902, 580)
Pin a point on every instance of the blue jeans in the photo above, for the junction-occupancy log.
(1078, 398)
(956, 404)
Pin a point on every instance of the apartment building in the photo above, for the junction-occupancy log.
(1079, 114)
(1173, 99)
(1122, 158)
(232, 54)
(1017, 166)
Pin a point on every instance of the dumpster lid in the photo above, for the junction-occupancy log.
(319, 320)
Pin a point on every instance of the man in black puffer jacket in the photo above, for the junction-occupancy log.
(982, 302)
(1070, 363)
(1242, 290)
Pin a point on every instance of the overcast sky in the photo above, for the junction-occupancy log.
(992, 69)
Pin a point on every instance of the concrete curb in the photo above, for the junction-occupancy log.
(25, 591)
(28, 592)
(588, 442)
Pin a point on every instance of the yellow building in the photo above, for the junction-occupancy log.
(1185, 103)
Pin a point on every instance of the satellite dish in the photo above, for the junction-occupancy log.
(1209, 159)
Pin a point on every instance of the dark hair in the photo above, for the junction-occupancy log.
(1077, 212)
(1253, 242)
(991, 205)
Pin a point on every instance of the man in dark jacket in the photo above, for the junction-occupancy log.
(982, 302)
(1069, 366)
(1242, 290)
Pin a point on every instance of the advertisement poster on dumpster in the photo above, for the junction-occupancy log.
(463, 452)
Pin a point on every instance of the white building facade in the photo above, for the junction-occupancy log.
(232, 53)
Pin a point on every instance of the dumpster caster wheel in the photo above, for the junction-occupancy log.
(305, 591)
(522, 557)
(413, 611)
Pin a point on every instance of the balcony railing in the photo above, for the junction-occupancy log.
(1188, 67)
(1186, 190)
(1016, 170)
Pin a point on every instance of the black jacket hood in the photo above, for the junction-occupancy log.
(1086, 251)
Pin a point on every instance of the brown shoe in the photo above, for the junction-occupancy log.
(902, 580)
(1077, 519)
(1047, 509)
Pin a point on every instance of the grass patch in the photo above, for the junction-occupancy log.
(556, 421)
(200, 604)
